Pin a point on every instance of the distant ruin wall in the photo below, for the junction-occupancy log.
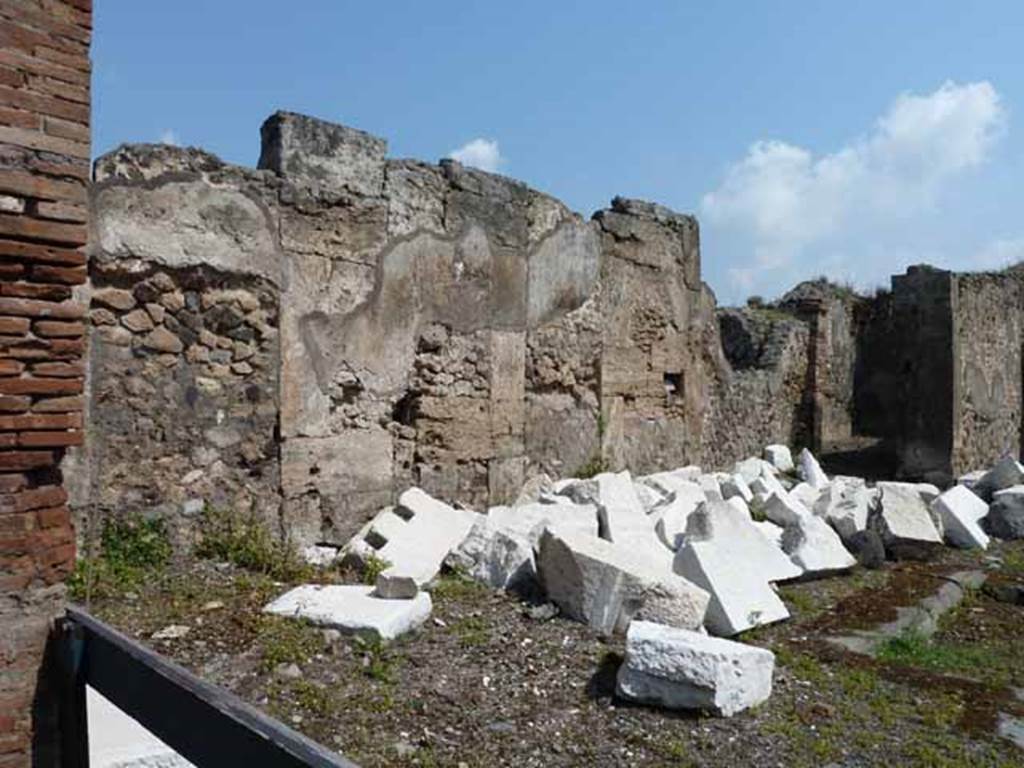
(303, 341)
(987, 368)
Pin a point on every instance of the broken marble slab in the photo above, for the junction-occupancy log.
(810, 470)
(736, 486)
(961, 512)
(904, 521)
(741, 597)
(528, 519)
(806, 494)
(498, 556)
(352, 609)
(782, 509)
(732, 528)
(607, 585)
(681, 669)
(815, 547)
(1006, 473)
(620, 513)
(671, 517)
(1006, 514)
(780, 457)
(416, 535)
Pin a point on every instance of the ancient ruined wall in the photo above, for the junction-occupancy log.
(876, 387)
(761, 394)
(924, 337)
(304, 341)
(44, 165)
(987, 368)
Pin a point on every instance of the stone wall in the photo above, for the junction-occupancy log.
(44, 167)
(303, 341)
(987, 368)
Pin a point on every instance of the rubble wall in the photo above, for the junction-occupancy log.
(987, 368)
(302, 341)
(44, 168)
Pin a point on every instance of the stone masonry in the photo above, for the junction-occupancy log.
(303, 341)
(44, 170)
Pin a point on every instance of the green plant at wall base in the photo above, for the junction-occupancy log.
(247, 544)
(595, 465)
(130, 550)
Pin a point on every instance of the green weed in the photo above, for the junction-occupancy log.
(247, 544)
(130, 551)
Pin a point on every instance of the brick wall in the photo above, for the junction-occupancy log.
(44, 168)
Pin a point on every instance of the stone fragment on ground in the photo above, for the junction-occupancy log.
(961, 512)
(1006, 513)
(498, 556)
(607, 585)
(736, 486)
(807, 494)
(732, 529)
(904, 521)
(390, 587)
(352, 609)
(815, 547)
(846, 506)
(320, 556)
(620, 513)
(680, 669)
(529, 519)
(416, 536)
(1006, 473)
(867, 547)
(671, 517)
(741, 597)
(782, 509)
(810, 470)
(780, 457)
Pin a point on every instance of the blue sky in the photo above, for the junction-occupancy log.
(849, 139)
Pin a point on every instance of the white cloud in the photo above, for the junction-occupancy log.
(170, 137)
(782, 199)
(480, 153)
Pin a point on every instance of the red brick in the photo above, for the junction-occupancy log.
(50, 328)
(40, 386)
(11, 367)
(41, 187)
(67, 347)
(20, 118)
(12, 325)
(68, 36)
(67, 310)
(45, 104)
(12, 271)
(29, 421)
(34, 229)
(60, 370)
(65, 168)
(33, 498)
(21, 137)
(50, 439)
(61, 211)
(47, 273)
(66, 129)
(8, 440)
(58, 89)
(19, 460)
(11, 78)
(51, 517)
(18, 35)
(12, 404)
(17, 525)
(36, 291)
(70, 404)
(45, 253)
(59, 57)
(11, 483)
(32, 65)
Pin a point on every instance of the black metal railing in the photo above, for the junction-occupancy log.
(208, 726)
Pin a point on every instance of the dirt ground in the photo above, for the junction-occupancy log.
(492, 681)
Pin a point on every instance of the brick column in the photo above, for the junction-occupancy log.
(44, 169)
